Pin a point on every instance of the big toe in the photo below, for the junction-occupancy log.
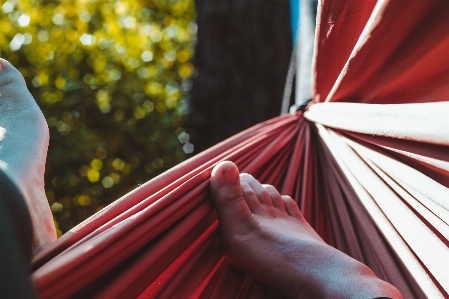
(13, 90)
(9, 74)
(227, 193)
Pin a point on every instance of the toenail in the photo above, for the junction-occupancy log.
(230, 174)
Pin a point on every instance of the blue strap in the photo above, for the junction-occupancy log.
(294, 15)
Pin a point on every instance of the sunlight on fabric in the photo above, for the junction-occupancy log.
(388, 169)
(366, 184)
(88, 248)
(424, 122)
(431, 161)
(408, 181)
(432, 251)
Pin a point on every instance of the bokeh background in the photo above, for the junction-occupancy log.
(123, 94)
(111, 79)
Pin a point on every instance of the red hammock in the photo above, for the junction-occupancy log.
(371, 179)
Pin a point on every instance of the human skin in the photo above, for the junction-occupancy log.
(24, 141)
(265, 235)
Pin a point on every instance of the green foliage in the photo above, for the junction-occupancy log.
(111, 78)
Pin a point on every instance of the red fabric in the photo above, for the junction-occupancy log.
(146, 242)
(399, 56)
(340, 24)
(371, 179)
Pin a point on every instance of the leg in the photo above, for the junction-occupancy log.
(24, 141)
(265, 235)
(16, 236)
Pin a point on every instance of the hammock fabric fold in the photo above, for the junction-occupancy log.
(371, 175)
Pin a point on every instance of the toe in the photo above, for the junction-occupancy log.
(2, 64)
(291, 207)
(262, 194)
(14, 94)
(227, 193)
(251, 198)
(276, 198)
(9, 74)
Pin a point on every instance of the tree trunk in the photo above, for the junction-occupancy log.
(241, 61)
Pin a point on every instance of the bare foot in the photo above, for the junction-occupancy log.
(265, 235)
(24, 141)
